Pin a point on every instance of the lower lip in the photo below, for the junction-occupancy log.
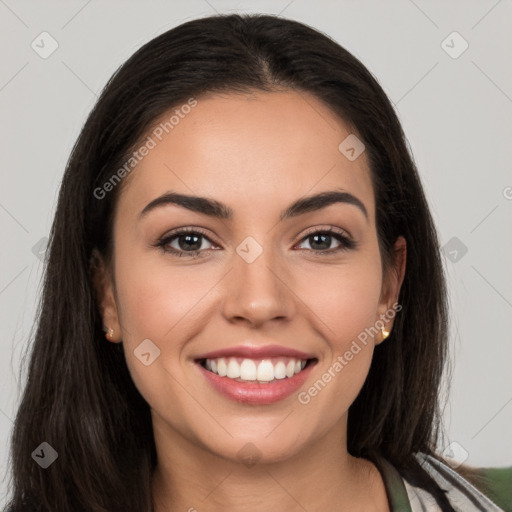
(254, 392)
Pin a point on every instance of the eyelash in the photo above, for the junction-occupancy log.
(346, 242)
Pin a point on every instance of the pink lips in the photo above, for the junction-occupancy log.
(252, 352)
(255, 392)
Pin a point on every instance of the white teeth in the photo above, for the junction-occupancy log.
(222, 369)
(265, 370)
(233, 369)
(248, 370)
(280, 370)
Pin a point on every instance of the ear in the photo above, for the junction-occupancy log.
(105, 296)
(391, 285)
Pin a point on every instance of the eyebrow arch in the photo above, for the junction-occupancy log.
(219, 210)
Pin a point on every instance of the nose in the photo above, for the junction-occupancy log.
(258, 292)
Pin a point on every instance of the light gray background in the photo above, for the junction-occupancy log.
(456, 113)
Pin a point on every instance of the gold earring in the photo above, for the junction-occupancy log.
(385, 334)
(110, 333)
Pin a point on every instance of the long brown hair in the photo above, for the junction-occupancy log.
(80, 397)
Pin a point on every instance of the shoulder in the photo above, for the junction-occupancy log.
(488, 489)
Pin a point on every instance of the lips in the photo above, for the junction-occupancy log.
(256, 375)
(253, 352)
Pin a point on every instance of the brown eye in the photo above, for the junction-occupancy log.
(185, 242)
(189, 241)
(321, 241)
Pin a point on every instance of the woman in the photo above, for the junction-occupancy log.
(290, 357)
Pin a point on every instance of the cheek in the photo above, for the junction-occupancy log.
(343, 305)
(344, 299)
(156, 296)
(159, 302)
(165, 303)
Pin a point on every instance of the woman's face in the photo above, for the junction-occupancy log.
(264, 275)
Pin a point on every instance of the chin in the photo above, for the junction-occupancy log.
(258, 449)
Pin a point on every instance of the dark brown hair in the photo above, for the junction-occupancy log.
(80, 397)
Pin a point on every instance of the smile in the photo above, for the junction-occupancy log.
(254, 370)
(256, 381)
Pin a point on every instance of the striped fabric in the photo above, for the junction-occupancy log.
(462, 495)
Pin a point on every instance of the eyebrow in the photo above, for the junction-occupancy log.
(214, 208)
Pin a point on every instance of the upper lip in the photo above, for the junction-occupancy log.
(255, 352)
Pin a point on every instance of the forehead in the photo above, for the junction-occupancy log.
(250, 151)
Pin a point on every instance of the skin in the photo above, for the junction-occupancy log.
(256, 153)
